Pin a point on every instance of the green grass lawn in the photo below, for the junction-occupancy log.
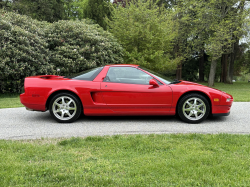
(10, 101)
(134, 160)
(239, 90)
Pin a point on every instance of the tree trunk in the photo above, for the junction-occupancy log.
(201, 66)
(231, 62)
(212, 73)
(230, 69)
(224, 64)
(179, 71)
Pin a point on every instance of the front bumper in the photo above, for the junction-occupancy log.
(224, 106)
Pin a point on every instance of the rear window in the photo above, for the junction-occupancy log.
(88, 75)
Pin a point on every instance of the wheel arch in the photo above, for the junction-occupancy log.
(61, 91)
(196, 92)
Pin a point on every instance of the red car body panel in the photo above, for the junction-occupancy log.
(107, 98)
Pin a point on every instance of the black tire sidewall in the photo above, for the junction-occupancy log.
(78, 105)
(183, 100)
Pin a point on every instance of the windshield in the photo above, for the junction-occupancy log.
(159, 76)
(87, 75)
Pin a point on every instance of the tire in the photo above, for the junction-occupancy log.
(65, 107)
(193, 108)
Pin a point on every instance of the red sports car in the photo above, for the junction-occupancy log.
(122, 90)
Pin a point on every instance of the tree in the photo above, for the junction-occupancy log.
(97, 10)
(74, 8)
(213, 26)
(5, 4)
(145, 30)
(42, 10)
(225, 30)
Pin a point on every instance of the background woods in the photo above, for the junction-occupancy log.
(195, 40)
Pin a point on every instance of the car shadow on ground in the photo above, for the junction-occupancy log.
(150, 119)
(128, 118)
(47, 118)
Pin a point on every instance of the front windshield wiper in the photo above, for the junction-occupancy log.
(175, 81)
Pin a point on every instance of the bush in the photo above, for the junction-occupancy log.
(23, 51)
(30, 47)
(79, 45)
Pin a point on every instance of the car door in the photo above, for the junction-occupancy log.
(127, 90)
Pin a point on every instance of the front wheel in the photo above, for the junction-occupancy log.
(65, 107)
(193, 108)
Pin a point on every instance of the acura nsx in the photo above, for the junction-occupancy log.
(116, 90)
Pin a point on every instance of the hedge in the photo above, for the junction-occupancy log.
(80, 45)
(30, 47)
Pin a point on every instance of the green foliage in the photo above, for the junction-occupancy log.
(6, 4)
(214, 26)
(43, 10)
(29, 47)
(145, 30)
(79, 45)
(190, 70)
(24, 51)
(242, 62)
(244, 75)
(74, 8)
(97, 10)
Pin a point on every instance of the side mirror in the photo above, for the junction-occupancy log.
(154, 83)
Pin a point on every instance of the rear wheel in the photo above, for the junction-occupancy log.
(65, 107)
(193, 108)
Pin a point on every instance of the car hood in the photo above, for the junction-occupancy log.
(187, 83)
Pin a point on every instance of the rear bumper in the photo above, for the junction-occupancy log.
(30, 104)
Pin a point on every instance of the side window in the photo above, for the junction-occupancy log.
(127, 75)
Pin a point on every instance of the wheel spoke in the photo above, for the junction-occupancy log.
(200, 105)
(201, 111)
(195, 102)
(57, 104)
(63, 102)
(68, 114)
(62, 115)
(187, 109)
(189, 104)
(58, 110)
(72, 108)
(196, 116)
(70, 101)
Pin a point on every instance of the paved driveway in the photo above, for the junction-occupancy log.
(18, 123)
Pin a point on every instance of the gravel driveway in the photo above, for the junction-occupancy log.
(19, 123)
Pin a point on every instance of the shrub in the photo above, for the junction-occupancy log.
(79, 45)
(23, 51)
(30, 47)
